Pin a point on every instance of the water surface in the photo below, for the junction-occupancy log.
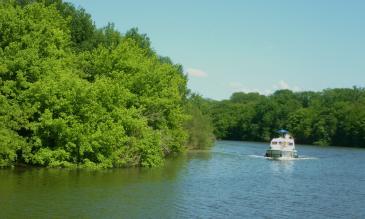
(233, 180)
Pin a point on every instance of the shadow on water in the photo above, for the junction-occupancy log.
(42, 192)
(199, 154)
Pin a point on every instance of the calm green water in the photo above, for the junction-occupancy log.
(232, 180)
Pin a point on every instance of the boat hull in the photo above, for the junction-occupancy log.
(281, 154)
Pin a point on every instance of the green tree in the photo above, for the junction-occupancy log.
(199, 125)
(72, 95)
(329, 117)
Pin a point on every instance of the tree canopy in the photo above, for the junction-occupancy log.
(73, 95)
(329, 117)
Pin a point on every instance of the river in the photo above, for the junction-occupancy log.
(232, 180)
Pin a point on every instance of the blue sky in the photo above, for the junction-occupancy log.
(249, 45)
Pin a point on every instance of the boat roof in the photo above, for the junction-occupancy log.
(282, 131)
(281, 138)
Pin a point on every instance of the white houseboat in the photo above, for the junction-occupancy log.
(282, 147)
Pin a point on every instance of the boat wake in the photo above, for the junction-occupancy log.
(257, 156)
(283, 158)
(306, 158)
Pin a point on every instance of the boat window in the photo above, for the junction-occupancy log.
(291, 144)
(274, 142)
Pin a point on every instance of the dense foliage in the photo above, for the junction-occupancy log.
(199, 125)
(73, 95)
(330, 117)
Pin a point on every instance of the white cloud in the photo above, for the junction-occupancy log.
(267, 92)
(282, 85)
(296, 88)
(196, 73)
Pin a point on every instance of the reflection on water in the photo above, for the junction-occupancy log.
(199, 154)
(282, 166)
(233, 180)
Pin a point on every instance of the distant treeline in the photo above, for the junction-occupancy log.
(330, 117)
(74, 95)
